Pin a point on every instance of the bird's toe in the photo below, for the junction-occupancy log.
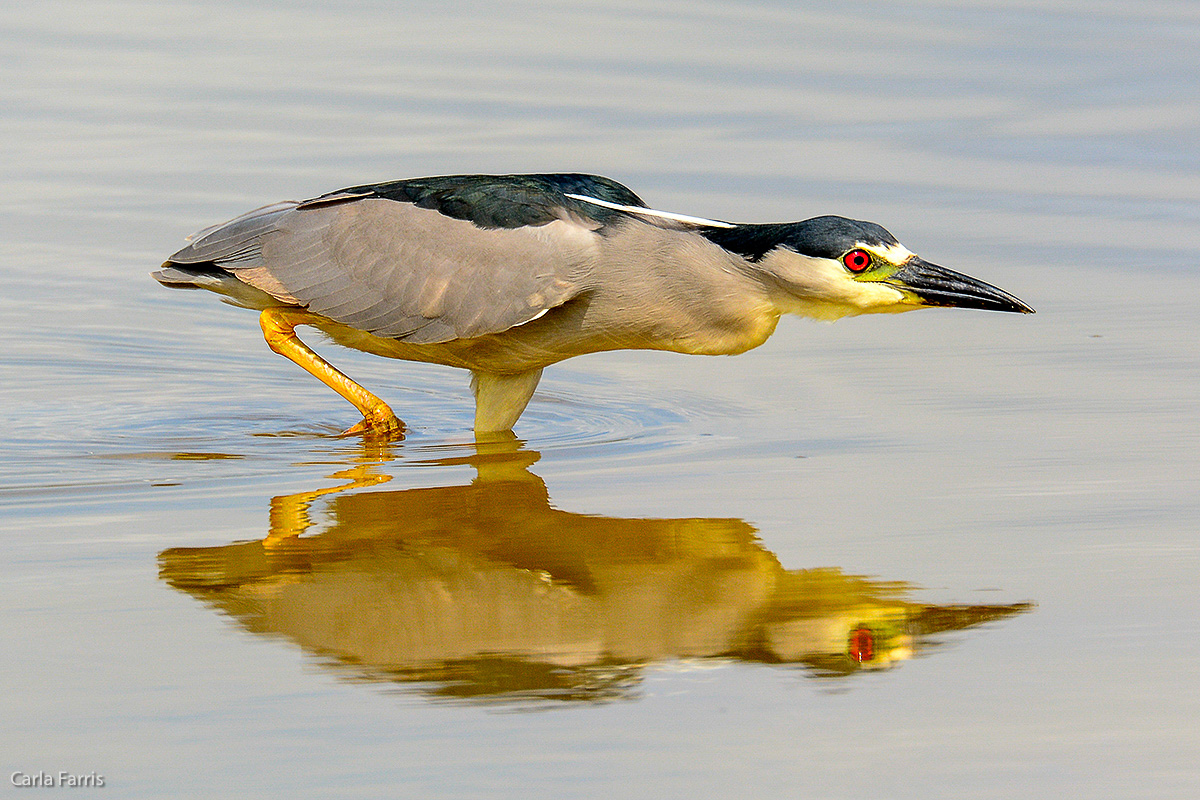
(386, 427)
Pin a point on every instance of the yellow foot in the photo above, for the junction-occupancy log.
(384, 425)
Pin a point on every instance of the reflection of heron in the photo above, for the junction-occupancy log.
(486, 590)
(506, 275)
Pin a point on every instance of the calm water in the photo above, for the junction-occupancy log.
(948, 554)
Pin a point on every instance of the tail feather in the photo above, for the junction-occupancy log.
(214, 279)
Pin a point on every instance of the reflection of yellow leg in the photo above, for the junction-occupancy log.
(289, 513)
(279, 329)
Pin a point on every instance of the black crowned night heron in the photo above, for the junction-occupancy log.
(505, 275)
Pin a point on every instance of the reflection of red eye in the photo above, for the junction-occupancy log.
(862, 644)
(856, 260)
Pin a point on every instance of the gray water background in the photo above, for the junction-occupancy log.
(1047, 147)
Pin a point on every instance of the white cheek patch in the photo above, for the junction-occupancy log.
(822, 288)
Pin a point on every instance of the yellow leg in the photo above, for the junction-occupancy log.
(279, 329)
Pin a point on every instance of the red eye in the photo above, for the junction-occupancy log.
(862, 644)
(856, 260)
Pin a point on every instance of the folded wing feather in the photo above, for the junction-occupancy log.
(399, 270)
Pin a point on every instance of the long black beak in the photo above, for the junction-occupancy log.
(938, 286)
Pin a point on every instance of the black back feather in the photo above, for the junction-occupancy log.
(499, 201)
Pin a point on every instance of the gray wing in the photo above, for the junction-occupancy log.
(402, 271)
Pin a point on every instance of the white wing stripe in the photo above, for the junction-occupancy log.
(650, 212)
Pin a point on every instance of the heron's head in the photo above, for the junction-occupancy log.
(830, 267)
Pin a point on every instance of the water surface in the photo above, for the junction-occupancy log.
(946, 554)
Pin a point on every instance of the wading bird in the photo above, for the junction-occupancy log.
(504, 275)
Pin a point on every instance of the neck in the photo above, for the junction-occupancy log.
(751, 242)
